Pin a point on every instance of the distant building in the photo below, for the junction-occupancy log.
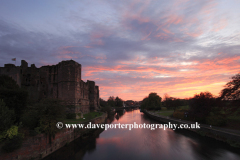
(62, 81)
(129, 103)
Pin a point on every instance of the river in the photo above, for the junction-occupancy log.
(142, 144)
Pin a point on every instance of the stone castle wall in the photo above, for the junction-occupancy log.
(38, 147)
(62, 81)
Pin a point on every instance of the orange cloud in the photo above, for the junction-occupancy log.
(187, 80)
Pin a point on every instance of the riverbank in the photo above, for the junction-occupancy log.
(119, 143)
(38, 147)
(231, 137)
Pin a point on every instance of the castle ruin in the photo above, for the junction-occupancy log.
(62, 81)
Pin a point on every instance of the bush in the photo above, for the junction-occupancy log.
(35, 132)
(8, 82)
(11, 132)
(44, 116)
(13, 144)
(179, 114)
(71, 116)
(216, 120)
(30, 118)
(164, 108)
(106, 109)
(15, 99)
(50, 112)
(6, 117)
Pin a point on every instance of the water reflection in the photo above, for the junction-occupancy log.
(144, 143)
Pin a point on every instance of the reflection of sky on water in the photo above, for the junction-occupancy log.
(122, 144)
(152, 144)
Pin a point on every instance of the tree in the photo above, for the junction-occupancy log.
(153, 101)
(8, 82)
(49, 112)
(118, 102)
(6, 117)
(14, 97)
(111, 101)
(201, 105)
(30, 118)
(144, 103)
(232, 89)
(104, 106)
(103, 103)
(171, 102)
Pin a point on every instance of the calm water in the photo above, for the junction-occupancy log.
(144, 144)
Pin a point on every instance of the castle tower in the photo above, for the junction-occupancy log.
(93, 95)
(69, 77)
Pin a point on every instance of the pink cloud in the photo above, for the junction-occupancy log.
(220, 25)
(88, 46)
(146, 37)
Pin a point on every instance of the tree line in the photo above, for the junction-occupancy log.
(111, 102)
(203, 107)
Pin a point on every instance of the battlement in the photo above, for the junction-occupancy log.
(9, 65)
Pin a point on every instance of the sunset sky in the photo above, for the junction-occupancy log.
(129, 48)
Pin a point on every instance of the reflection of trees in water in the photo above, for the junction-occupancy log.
(205, 147)
(116, 115)
(119, 114)
(204, 152)
(146, 119)
(200, 147)
(76, 149)
(110, 118)
(130, 109)
(91, 145)
(168, 144)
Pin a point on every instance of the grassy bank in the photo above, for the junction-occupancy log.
(86, 117)
(166, 113)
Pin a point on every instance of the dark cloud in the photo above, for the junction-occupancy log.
(129, 46)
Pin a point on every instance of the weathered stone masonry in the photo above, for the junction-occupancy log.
(62, 81)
